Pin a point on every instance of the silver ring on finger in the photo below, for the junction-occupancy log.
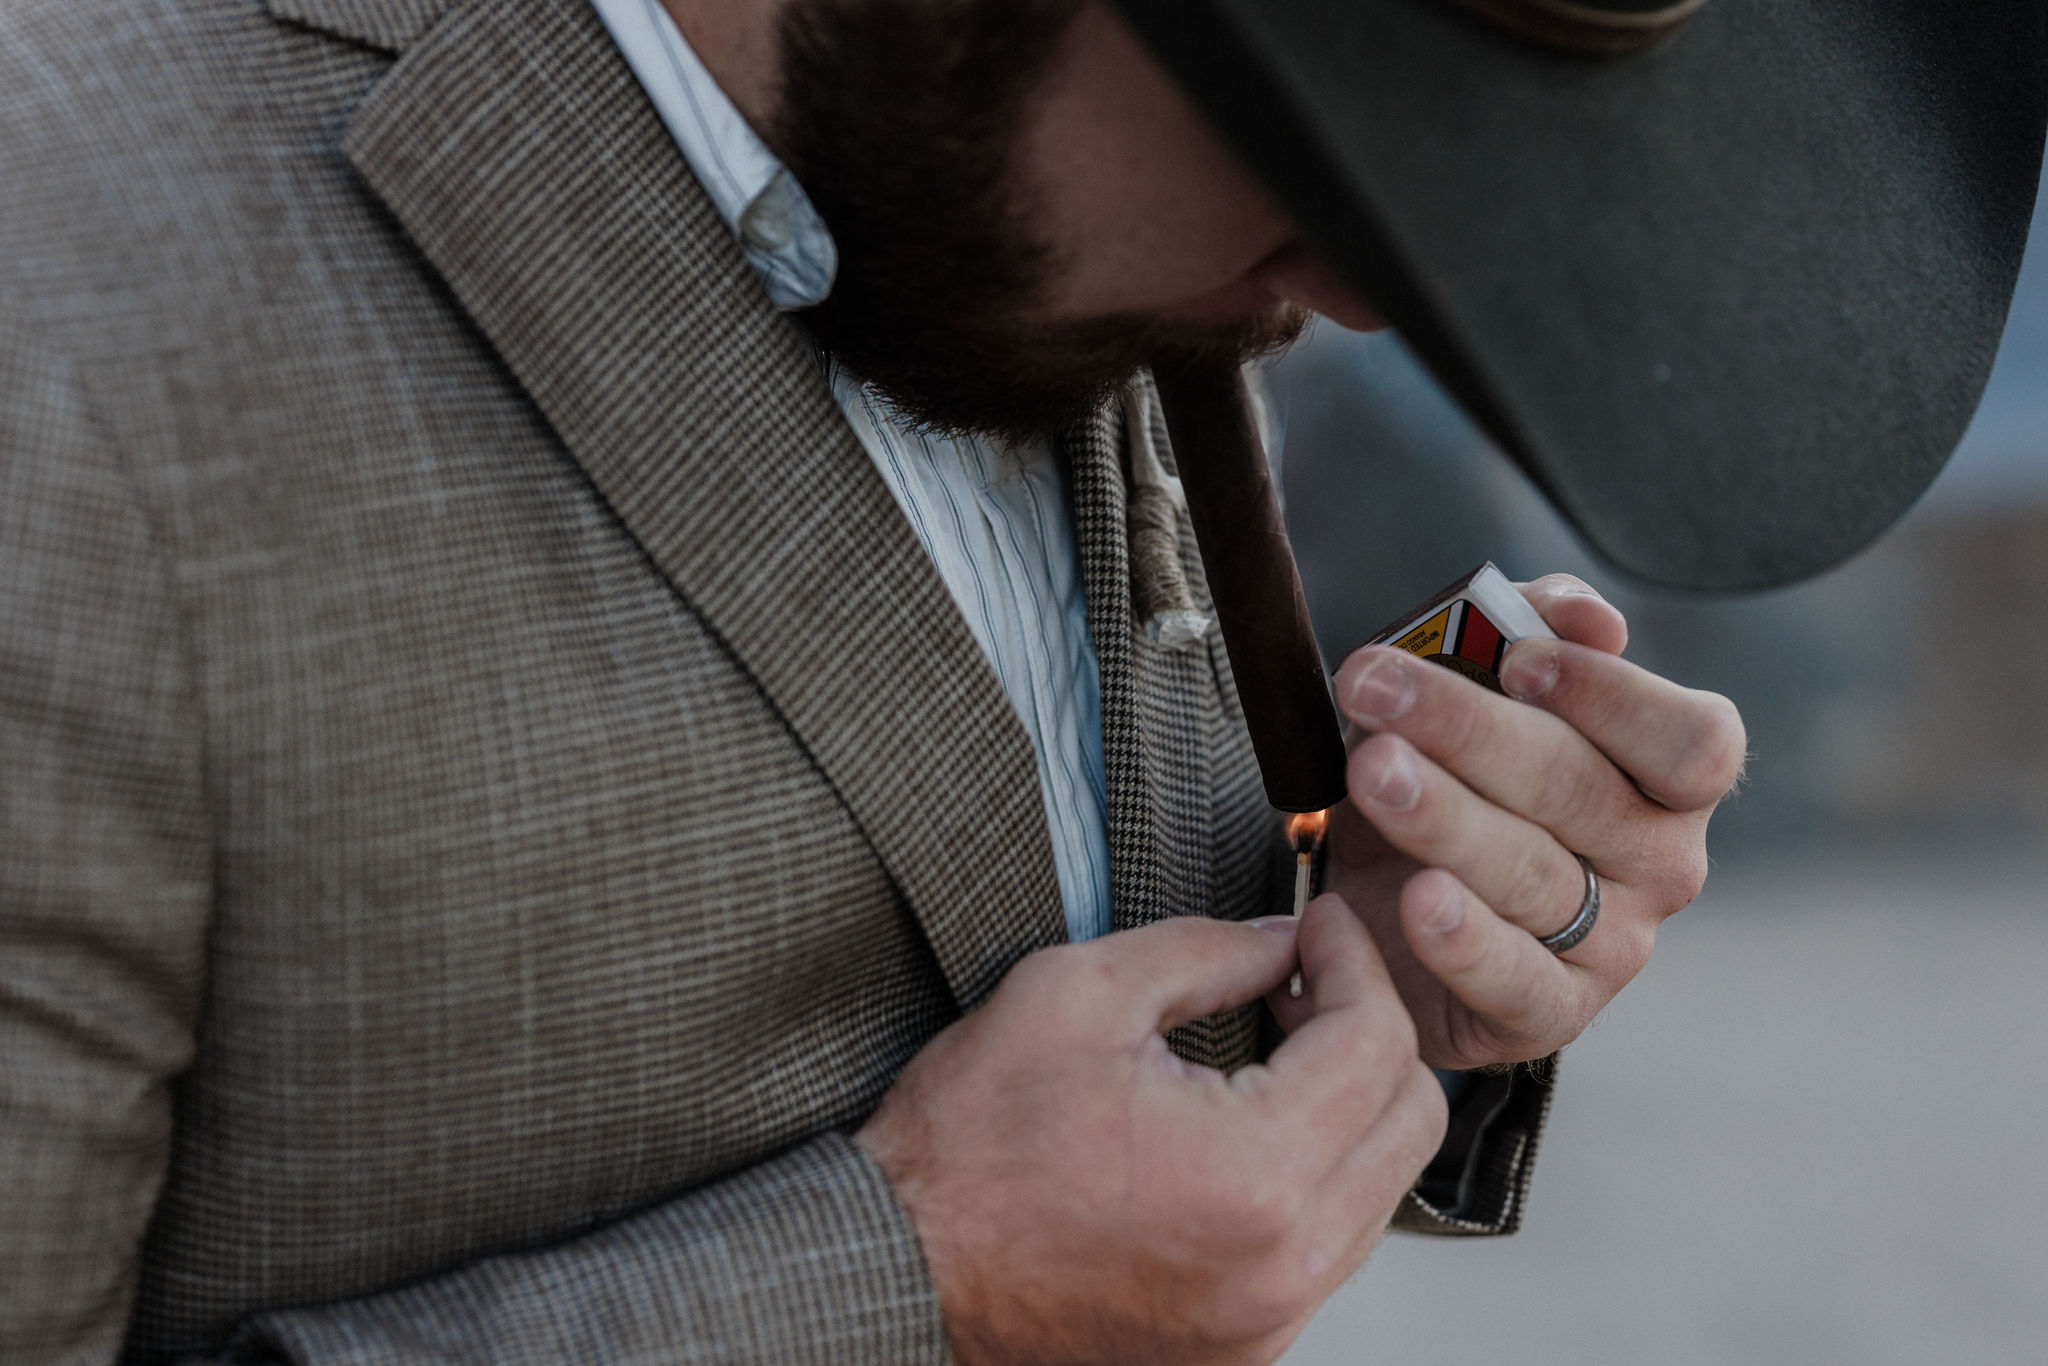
(1572, 935)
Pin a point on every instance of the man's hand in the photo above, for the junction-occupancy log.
(1456, 848)
(1083, 1195)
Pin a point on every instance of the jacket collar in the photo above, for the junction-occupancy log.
(515, 147)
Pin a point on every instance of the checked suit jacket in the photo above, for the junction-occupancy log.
(491, 789)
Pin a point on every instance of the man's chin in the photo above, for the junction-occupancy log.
(941, 292)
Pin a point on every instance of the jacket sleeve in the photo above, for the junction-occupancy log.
(104, 873)
(1478, 1182)
(105, 900)
(807, 1258)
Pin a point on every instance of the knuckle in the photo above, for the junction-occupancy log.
(1678, 873)
(1582, 789)
(1467, 953)
(1564, 799)
(1373, 758)
(1046, 970)
(1536, 891)
(1462, 722)
(1711, 757)
(1688, 876)
(1267, 1204)
(1062, 987)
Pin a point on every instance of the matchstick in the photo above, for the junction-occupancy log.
(1302, 859)
(1305, 832)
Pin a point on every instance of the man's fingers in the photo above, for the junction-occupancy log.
(1684, 748)
(1337, 968)
(1566, 761)
(1334, 1074)
(1426, 813)
(1520, 758)
(1341, 969)
(1168, 973)
(1524, 1001)
(1571, 607)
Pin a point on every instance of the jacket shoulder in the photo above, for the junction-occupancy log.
(150, 142)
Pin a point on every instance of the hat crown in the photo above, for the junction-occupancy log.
(1601, 28)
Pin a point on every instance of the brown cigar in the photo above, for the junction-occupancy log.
(1254, 582)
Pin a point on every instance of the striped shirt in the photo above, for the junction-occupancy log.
(994, 517)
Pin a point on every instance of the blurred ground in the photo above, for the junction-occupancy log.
(1811, 1133)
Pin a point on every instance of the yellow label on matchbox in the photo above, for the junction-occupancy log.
(1424, 639)
(1469, 626)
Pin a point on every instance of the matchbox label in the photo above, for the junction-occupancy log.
(1460, 637)
(1469, 626)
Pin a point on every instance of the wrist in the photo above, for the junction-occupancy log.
(953, 1284)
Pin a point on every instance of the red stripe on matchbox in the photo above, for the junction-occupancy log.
(1481, 640)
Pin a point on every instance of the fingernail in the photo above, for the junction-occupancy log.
(1396, 785)
(1381, 691)
(1530, 669)
(1275, 924)
(1445, 915)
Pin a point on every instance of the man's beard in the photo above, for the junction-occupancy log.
(899, 118)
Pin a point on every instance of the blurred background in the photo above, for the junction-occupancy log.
(1816, 1129)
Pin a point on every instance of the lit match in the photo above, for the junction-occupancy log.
(1305, 831)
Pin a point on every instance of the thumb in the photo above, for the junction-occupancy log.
(1191, 966)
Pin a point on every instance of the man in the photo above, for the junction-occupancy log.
(570, 665)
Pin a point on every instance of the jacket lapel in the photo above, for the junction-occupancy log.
(523, 159)
(390, 25)
(1138, 875)
(1158, 731)
(1172, 759)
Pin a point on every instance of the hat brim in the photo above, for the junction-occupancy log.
(1730, 302)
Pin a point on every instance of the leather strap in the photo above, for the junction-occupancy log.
(1597, 28)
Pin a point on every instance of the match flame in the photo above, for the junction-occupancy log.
(1306, 829)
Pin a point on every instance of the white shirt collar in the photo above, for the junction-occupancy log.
(783, 237)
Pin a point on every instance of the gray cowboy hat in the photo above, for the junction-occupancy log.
(1726, 277)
